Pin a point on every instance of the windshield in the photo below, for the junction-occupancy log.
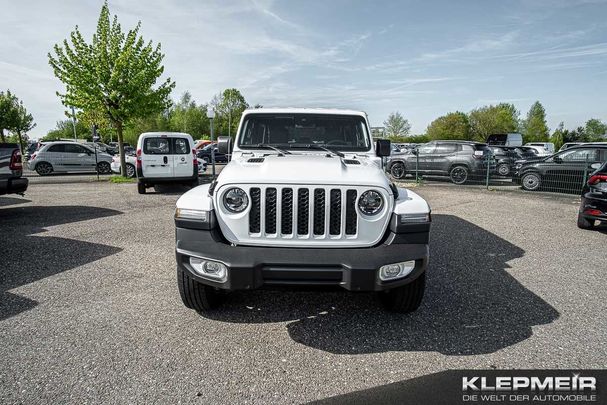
(305, 131)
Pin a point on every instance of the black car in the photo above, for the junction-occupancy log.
(593, 207)
(507, 156)
(460, 160)
(205, 153)
(564, 171)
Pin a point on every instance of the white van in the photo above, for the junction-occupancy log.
(542, 148)
(511, 139)
(165, 157)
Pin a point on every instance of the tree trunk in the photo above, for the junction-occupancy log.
(21, 143)
(121, 148)
(2, 138)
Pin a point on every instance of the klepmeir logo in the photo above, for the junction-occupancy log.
(564, 389)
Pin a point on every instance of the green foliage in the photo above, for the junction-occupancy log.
(65, 130)
(229, 106)
(558, 136)
(396, 125)
(188, 117)
(15, 119)
(493, 119)
(454, 125)
(115, 74)
(122, 179)
(535, 128)
(595, 130)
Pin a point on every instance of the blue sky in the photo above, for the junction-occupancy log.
(423, 59)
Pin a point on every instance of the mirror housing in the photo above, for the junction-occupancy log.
(596, 166)
(225, 145)
(383, 148)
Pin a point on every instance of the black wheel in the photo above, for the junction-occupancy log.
(503, 169)
(104, 168)
(584, 223)
(44, 169)
(406, 298)
(458, 174)
(130, 171)
(531, 181)
(141, 188)
(195, 295)
(397, 170)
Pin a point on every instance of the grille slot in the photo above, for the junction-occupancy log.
(270, 210)
(254, 216)
(319, 211)
(286, 217)
(255, 160)
(303, 210)
(351, 212)
(335, 213)
(349, 162)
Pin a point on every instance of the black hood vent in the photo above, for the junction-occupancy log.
(351, 162)
(255, 160)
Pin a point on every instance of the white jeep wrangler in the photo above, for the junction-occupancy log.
(303, 201)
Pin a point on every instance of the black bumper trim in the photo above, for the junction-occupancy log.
(251, 267)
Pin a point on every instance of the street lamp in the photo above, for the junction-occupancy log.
(210, 116)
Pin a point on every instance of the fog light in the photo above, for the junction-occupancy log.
(209, 269)
(396, 270)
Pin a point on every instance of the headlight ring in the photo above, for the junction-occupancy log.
(235, 200)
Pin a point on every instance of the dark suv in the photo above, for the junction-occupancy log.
(460, 160)
(506, 157)
(594, 199)
(564, 171)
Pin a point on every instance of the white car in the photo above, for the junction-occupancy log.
(542, 148)
(131, 163)
(304, 200)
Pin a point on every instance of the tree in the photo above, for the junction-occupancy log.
(115, 74)
(396, 125)
(65, 130)
(229, 106)
(24, 123)
(493, 119)
(595, 130)
(189, 117)
(454, 125)
(535, 127)
(558, 136)
(8, 113)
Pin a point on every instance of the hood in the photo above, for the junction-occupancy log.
(304, 169)
(529, 160)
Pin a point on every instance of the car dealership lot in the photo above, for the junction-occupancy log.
(89, 308)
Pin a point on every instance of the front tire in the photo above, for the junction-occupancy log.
(531, 181)
(397, 170)
(195, 295)
(459, 174)
(406, 298)
(584, 223)
(503, 169)
(141, 188)
(104, 168)
(44, 169)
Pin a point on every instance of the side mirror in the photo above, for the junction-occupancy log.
(225, 145)
(557, 159)
(383, 148)
(596, 166)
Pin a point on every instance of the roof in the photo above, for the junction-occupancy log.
(293, 110)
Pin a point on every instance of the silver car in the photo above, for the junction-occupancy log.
(64, 156)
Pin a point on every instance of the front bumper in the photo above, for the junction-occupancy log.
(354, 269)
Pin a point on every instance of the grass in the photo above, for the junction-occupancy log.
(119, 179)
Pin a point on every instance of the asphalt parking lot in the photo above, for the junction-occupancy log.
(90, 312)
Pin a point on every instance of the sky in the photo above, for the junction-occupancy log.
(424, 59)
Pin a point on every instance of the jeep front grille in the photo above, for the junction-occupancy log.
(316, 209)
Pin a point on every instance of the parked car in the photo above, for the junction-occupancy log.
(131, 164)
(165, 157)
(66, 156)
(593, 206)
(568, 145)
(205, 153)
(510, 139)
(304, 201)
(460, 160)
(542, 148)
(564, 171)
(506, 157)
(11, 170)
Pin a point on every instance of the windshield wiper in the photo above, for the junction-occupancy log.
(266, 146)
(317, 146)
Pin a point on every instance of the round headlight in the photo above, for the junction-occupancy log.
(235, 200)
(370, 202)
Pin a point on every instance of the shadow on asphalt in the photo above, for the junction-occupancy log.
(5, 201)
(472, 305)
(26, 258)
